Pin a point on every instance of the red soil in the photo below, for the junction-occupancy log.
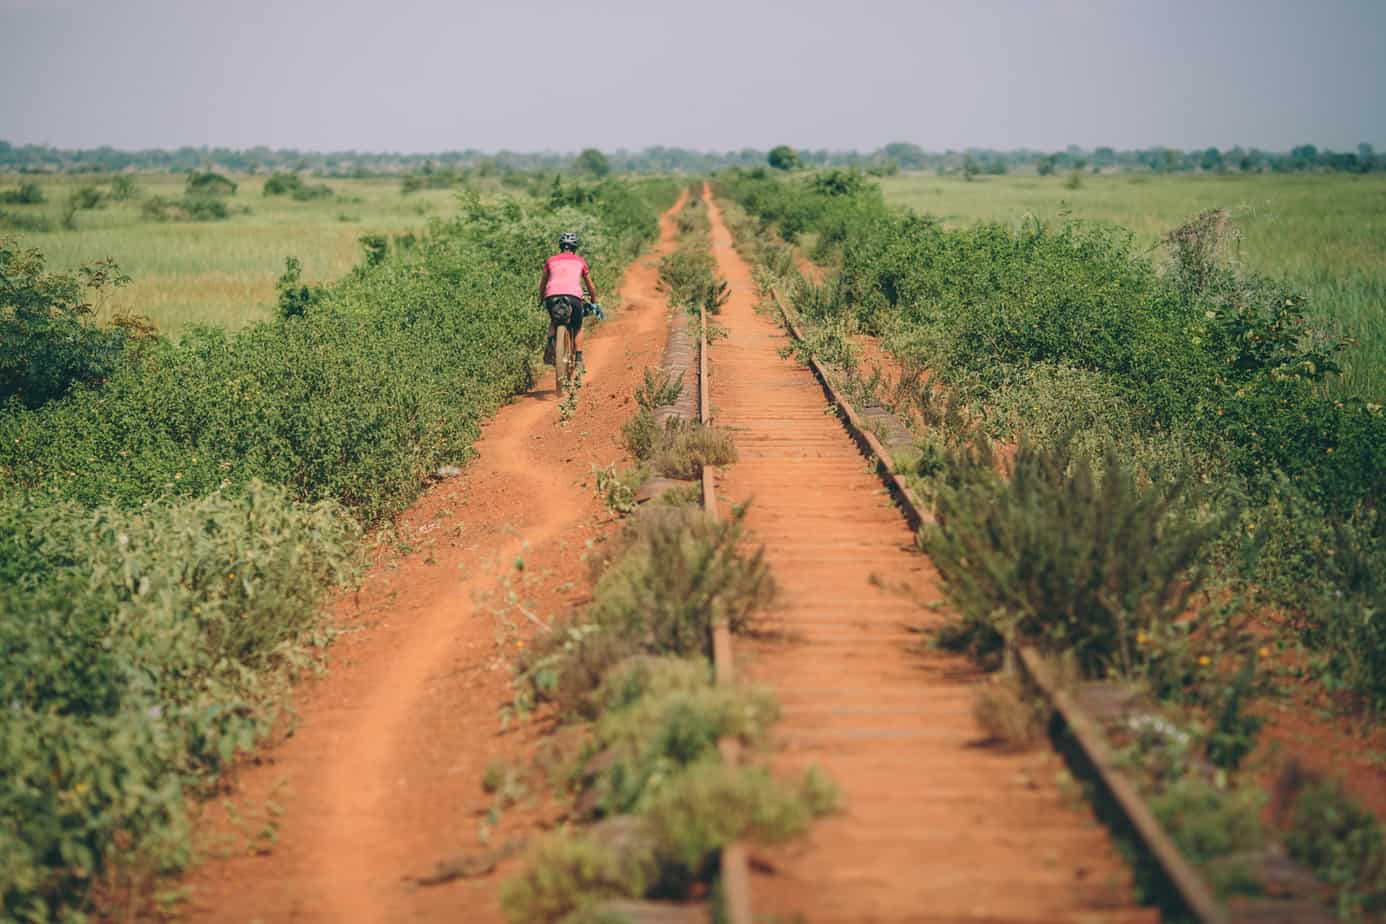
(383, 777)
(935, 825)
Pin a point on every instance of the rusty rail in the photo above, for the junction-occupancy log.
(1183, 883)
(736, 873)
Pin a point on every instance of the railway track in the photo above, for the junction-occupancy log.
(935, 826)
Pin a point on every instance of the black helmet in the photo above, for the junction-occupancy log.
(568, 240)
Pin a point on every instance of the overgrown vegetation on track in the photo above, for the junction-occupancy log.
(1098, 435)
(173, 513)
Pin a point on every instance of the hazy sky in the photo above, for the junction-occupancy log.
(407, 75)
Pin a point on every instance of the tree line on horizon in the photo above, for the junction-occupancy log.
(897, 156)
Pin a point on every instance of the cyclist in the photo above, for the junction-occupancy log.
(560, 291)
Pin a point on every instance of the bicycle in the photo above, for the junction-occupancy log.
(565, 356)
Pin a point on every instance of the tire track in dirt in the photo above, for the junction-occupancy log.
(383, 777)
(935, 826)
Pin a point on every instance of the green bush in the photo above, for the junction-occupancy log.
(141, 650)
(1346, 623)
(1343, 843)
(282, 183)
(204, 208)
(647, 742)
(1210, 824)
(87, 197)
(27, 193)
(568, 872)
(189, 208)
(46, 345)
(295, 298)
(124, 188)
(1069, 553)
(209, 183)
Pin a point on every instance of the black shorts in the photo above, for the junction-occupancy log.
(574, 322)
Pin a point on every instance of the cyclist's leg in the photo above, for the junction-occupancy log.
(575, 327)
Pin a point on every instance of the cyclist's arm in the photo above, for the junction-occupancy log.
(591, 289)
(543, 283)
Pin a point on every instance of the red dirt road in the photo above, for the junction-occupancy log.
(935, 826)
(383, 777)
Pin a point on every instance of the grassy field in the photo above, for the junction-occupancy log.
(219, 272)
(1327, 233)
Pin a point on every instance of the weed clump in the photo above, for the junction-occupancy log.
(644, 745)
(1215, 828)
(1342, 842)
(1007, 716)
(713, 805)
(567, 872)
(685, 448)
(678, 574)
(1069, 553)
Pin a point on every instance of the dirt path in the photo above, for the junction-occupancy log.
(936, 826)
(383, 777)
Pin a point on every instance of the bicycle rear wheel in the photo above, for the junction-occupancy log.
(564, 359)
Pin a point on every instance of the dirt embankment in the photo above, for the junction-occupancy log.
(383, 776)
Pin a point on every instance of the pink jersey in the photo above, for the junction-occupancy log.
(565, 274)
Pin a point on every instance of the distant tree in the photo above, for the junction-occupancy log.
(593, 162)
(1169, 157)
(1211, 161)
(1303, 157)
(1366, 156)
(908, 156)
(783, 157)
(1104, 157)
(1045, 165)
(970, 167)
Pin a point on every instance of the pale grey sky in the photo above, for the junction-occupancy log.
(411, 75)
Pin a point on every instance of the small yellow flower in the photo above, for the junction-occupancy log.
(1263, 651)
(1142, 638)
(519, 644)
(1204, 660)
(231, 577)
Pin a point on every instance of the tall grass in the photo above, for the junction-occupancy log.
(220, 273)
(1325, 234)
